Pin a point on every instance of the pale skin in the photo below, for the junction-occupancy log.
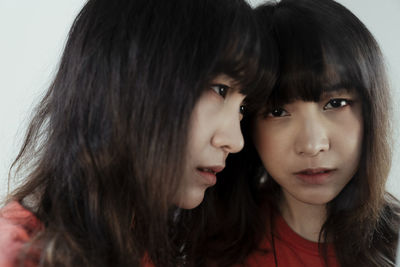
(214, 133)
(312, 150)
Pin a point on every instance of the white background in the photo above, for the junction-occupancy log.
(33, 33)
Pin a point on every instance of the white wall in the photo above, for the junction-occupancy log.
(33, 34)
(383, 21)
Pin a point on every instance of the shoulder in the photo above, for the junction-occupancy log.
(17, 225)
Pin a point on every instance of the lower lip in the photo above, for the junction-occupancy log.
(209, 177)
(316, 179)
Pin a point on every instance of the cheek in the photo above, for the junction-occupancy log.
(349, 138)
(201, 125)
(261, 139)
(271, 144)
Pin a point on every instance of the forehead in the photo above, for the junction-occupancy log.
(333, 92)
(311, 83)
(222, 77)
(314, 66)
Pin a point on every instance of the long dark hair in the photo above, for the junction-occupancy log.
(321, 44)
(224, 229)
(103, 150)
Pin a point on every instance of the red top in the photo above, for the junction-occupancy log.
(17, 226)
(291, 250)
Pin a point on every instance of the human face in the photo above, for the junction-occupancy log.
(311, 149)
(214, 133)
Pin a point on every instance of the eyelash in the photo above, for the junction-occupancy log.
(278, 113)
(242, 109)
(220, 89)
(334, 103)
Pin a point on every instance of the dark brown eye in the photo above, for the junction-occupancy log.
(277, 112)
(220, 89)
(242, 109)
(336, 103)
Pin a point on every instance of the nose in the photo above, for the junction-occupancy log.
(312, 137)
(228, 135)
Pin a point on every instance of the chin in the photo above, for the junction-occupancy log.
(318, 199)
(191, 200)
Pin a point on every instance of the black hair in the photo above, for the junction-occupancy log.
(106, 142)
(322, 47)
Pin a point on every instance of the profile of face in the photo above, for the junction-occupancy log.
(311, 149)
(214, 133)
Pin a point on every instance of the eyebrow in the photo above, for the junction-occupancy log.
(334, 93)
(336, 87)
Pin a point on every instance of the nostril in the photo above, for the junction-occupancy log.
(312, 149)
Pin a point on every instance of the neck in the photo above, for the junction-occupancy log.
(303, 218)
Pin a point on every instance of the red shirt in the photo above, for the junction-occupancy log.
(17, 226)
(291, 250)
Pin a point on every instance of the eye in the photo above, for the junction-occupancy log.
(220, 89)
(337, 103)
(277, 112)
(242, 109)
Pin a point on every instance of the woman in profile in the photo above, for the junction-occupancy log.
(144, 109)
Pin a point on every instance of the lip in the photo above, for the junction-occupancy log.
(209, 173)
(314, 176)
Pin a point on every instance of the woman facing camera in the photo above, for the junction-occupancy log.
(311, 178)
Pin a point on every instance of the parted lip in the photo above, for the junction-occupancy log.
(313, 171)
(213, 169)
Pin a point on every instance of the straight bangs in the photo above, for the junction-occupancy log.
(239, 52)
(238, 55)
(315, 58)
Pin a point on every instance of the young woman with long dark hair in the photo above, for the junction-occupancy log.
(144, 109)
(311, 178)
